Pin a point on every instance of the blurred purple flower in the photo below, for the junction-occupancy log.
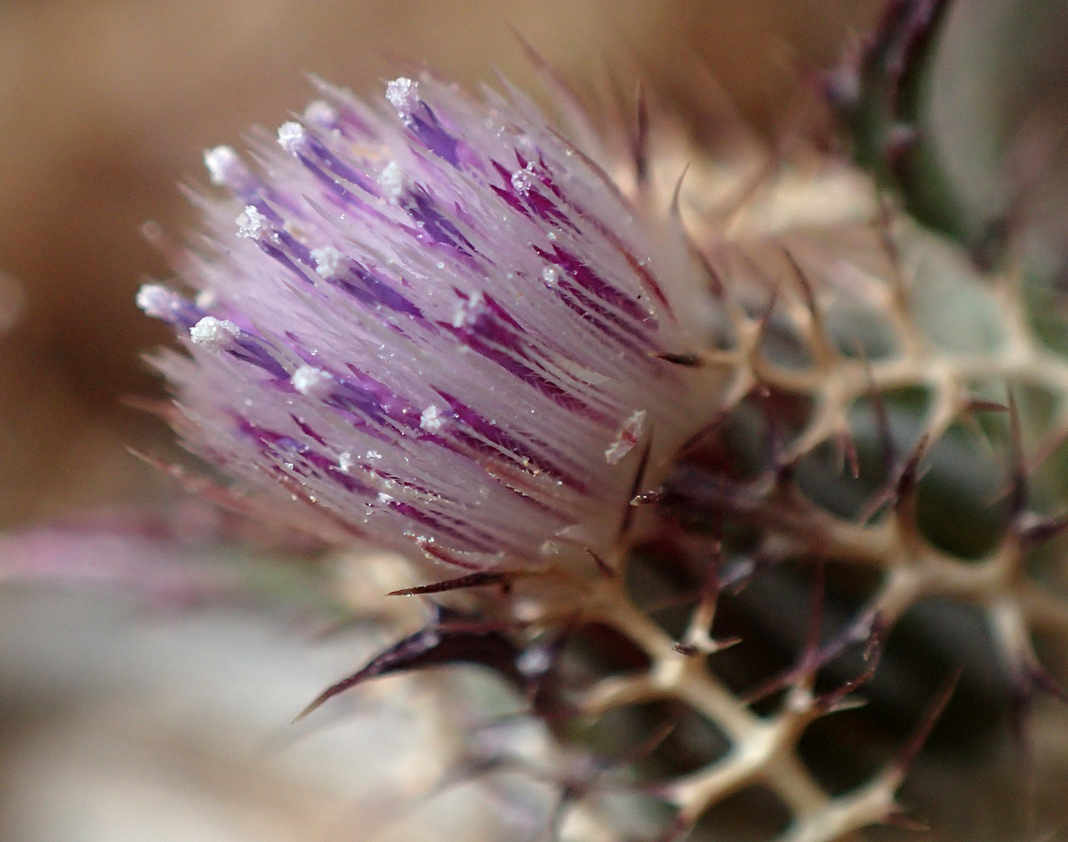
(439, 324)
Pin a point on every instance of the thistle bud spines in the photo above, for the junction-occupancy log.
(439, 326)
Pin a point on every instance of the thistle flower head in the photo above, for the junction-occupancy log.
(438, 321)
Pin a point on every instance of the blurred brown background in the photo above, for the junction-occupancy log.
(106, 105)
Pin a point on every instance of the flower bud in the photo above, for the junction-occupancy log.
(442, 323)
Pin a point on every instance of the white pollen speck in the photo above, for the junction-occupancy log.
(550, 276)
(373, 454)
(158, 301)
(291, 136)
(431, 420)
(206, 298)
(312, 382)
(224, 167)
(468, 311)
(328, 262)
(321, 114)
(384, 498)
(214, 334)
(552, 236)
(251, 223)
(391, 180)
(401, 93)
(629, 435)
(523, 180)
(344, 462)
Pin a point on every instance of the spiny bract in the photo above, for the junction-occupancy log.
(446, 329)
